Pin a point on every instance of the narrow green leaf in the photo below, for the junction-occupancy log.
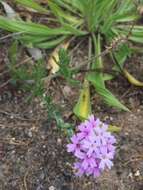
(62, 15)
(97, 80)
(108, 97)
(50, 43)
(30, 28)
(32, 4)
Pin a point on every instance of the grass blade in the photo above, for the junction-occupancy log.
(30, 28)
(97, 80)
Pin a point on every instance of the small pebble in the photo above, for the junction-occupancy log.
(67, 90)
(43, 137)
(111, 118)
(59, 141)
(42, 104)
(106, 117)
(53, 154)
(13, 152)
(137, 174)
(11, 117)
(52, 188)
(130, 175)
(30, 134)
(42, 176)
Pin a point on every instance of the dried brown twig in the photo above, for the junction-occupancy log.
(16, 116)
(25, 179)
(13, 141)
(11, 35)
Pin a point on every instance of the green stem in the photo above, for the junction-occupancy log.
(89, 52)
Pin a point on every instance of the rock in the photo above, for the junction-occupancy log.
(30, 134)
(137, 174)
(52, 188)
(67, 91)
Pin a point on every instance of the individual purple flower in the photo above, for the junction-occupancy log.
(88, 161)
(75, 146)
(79, 169)
(94, 122)
(84, 130)
(106, 158)
(93, 146)
(95, 172)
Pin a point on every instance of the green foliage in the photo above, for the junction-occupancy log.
(37, 75)
(54, 114)
(32, 4)
(28, 75)
(18, 74)
(103, 20)
(52, 109)
(97, 79)
(13, 53)
(64, 67)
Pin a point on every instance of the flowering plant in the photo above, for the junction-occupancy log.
(93, 147)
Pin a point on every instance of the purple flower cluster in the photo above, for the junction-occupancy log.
(93, 147)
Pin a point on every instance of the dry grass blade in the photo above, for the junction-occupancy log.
(83, 107)
(54, 58)
(132, 79)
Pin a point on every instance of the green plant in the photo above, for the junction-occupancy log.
(54, 114)
(28, 75)
(110, 24)
(64, 67)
